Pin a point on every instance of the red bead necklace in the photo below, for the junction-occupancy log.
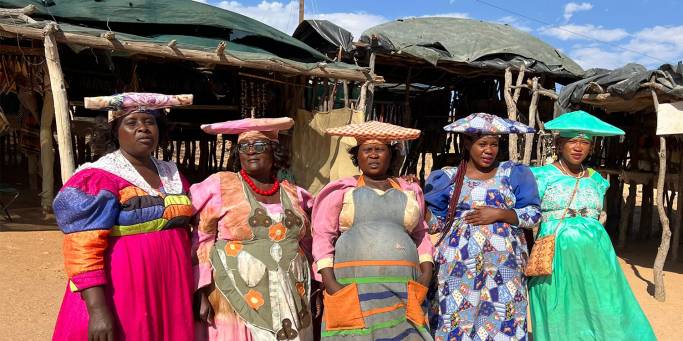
(252, 185)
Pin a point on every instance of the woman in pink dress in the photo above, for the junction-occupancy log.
(125, 220)
(251, 243)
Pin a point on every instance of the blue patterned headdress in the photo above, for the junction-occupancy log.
(487, 124)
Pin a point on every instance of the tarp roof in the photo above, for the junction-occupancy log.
(188, 22)
(621, 90)
(194, 26)
(470, 43)
(324, 35)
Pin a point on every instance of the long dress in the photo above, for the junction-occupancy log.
(253, 259)
(480, 292)
(374, 240)
(587, 296)
(134, 240)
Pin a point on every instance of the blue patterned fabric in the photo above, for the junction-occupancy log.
(487, 124)
(480, 293)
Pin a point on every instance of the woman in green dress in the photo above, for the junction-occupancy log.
(587, 296)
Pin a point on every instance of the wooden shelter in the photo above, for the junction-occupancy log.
(54, 54)
(435, 73)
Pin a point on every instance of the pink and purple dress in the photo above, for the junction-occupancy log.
(132, 239)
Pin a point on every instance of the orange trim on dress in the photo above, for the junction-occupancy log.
(382, 310)
(374, 263)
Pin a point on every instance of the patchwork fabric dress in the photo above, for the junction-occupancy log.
(480, 292)
(375, 241)
(587, 296)
(252, 259)
(134, 240)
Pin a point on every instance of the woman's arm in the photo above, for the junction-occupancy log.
(325, 225)
(86, 209)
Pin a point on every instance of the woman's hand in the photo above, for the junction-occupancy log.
(483, 215)
(100, 317)
(330, 281)
(333, 287)
(101, 325)
(205, 312)
(426, 272)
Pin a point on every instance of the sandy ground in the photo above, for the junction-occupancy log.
(33, 283)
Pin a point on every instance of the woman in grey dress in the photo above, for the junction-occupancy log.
(370, 245)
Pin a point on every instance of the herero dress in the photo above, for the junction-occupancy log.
(587, 296)
(481, 293)
(375, 241)
(133, 240)
(253, 258)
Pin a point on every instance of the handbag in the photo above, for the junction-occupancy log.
(540, 261)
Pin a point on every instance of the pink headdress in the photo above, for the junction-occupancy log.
(267, 128)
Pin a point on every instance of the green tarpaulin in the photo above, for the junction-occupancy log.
(193, 25)
(473, 43)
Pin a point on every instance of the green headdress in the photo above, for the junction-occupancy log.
(582, 125)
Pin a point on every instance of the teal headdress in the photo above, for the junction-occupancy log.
(582, 125)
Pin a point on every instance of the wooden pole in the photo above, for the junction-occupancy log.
(176, 53)
(626, 211)
(61, 103)
(408, 117)
(679, 211)
(371, 87)
(533, 107)
(663, 250)
(301, 11)
(512, 113)
(47, 152)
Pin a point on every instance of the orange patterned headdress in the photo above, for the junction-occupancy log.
(375, 132)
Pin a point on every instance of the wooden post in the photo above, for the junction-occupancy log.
(407, 116)
(512, 113)
(371, 87)
(61, 103)
(626, 211)
(679, 211)
(346, 93)
(529, 138)
(301, 11)
(47, 152)
(663, 250)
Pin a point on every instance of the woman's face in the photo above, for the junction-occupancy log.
(138, 134)
(574, 151)
(483, 150)
(256, 156)
(374, 159)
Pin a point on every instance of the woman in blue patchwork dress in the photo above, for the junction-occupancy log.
(480, 292)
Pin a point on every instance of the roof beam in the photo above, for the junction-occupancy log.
(202, 57)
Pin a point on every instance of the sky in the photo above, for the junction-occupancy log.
(606, 34)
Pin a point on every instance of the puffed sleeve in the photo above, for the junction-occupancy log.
(325, 221)
(86, 209)
(528, 204)
(542, 176)
(425, 248)
(437, 195)
(206, 201)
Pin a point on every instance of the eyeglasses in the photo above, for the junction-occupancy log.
(258, 147)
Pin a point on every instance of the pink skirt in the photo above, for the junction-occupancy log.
(149, 290)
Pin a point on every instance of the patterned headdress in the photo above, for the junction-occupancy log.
(487, 124)
(129, 102)
(375, 132)
(267, 128)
